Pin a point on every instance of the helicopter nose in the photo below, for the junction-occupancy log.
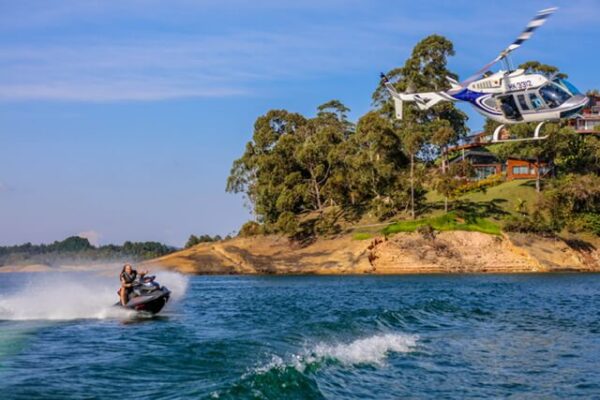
(574, 105)
(578, 100)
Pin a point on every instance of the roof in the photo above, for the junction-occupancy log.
(474, 153)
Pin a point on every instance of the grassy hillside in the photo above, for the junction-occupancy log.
(505, 196)
(481, 211)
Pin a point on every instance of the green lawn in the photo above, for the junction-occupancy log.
(452, 221)
(480, 211)
(503, 197)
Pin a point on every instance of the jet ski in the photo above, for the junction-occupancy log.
(147, 296)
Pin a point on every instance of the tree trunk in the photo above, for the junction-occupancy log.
(445, 160)
(317, 195)
(538, 186)
(444, 169)
(412, 185)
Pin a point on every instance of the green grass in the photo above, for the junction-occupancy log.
(362, 236)
(503, 197)
(447, 222)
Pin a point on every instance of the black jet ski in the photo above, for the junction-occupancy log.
(147, 296)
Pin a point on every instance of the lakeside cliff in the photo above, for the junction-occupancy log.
(404, 253)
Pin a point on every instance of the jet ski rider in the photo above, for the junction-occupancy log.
(127, 277)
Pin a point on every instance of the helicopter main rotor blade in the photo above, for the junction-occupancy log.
(534, 24)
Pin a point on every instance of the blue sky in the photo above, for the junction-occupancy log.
(119, 120)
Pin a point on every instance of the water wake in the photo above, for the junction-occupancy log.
(281, 378)
(372, 350)
(80, 295)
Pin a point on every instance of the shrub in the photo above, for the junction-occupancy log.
(327, 224)
(287, 223)
(362, 236)
(481, 185)
(525, 224)
(426, 231)
(251, 228)
(587, 222)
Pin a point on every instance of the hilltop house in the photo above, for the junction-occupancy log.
(486, 164)
(589, 120)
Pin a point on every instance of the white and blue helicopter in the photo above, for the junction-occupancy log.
(507, 96)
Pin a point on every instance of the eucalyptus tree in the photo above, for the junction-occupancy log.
(425, 70)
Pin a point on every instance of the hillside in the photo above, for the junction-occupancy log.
(503, 197)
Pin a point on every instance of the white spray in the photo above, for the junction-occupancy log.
(76, 295)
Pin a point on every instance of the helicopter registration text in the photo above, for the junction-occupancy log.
(520, 85)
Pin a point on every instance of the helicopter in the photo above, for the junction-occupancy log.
(509, 96)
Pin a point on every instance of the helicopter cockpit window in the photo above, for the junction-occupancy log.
(567, 85)
(553, 95)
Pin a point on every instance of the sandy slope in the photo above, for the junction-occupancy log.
(449, 252)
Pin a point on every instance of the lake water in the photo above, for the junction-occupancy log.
(452, 337)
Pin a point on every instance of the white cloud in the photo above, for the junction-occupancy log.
(92, 236)
(173, 56)
(176, 65)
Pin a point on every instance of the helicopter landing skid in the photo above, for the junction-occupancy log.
(536, 135)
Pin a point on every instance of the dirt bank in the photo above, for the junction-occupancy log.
(409, 253)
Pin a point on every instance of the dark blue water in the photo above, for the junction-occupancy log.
(452, 337)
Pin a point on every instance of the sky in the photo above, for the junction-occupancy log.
(119, 120)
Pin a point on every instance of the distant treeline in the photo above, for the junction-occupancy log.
(194, 240)
(75, 248)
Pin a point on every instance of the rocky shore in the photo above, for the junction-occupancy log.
(405, 253)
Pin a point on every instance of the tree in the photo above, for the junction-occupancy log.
(264, 172)
(534, 67)
(425, 70)
(449, 181)
(374, 164)
(192, 241)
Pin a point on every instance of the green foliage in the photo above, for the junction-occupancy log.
(451, 221)
(193, 240)
(478, 186)
(448, 183)
(585, 222)
(536, 223)
(288, 223)
(251, 228)
(571, 200)
(362, 236)
(532, 67)
(77, 249)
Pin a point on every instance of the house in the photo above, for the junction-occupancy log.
(525, 168)
(589, 120)
(486, 164)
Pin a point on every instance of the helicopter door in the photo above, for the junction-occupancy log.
(522, 103)
(509, 107)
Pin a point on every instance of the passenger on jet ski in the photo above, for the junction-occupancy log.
(128, 277)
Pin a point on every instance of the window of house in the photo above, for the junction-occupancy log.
(521, 170)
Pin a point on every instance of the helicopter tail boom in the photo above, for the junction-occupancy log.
(424, 101)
